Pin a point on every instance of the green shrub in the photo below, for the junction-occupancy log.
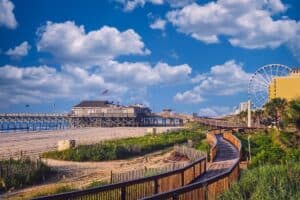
(125, 148)
(270, 182)
(21, 172)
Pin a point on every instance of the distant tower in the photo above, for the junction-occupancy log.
(249, 113)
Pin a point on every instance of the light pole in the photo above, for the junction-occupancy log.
(249, 113)
(249, 147)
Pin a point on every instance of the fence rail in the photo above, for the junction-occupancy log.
(212, 140)
(189, 152)
(175, 185)
(206, 189)
(139, 188)
(144, 172)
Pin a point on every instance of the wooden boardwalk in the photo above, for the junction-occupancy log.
(227, 155)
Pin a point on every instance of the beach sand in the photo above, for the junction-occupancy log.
(34, 143)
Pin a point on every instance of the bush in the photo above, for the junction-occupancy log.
(270, 182)
(124, 148)
(270, 147)
(21, 172)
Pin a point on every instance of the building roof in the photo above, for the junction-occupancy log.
(94, 104)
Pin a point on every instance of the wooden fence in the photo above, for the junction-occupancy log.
(212, 140)
(175, 185)
(234, 140)
(207, 189)
(189, 152)
(139, 188)
(144, 172)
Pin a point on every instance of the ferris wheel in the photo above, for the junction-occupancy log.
(258, 89)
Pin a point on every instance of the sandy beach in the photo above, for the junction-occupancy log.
(34, 143)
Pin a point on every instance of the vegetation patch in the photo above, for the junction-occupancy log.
(270, 182)
(22, 172)
(269, 147)
(126, 148)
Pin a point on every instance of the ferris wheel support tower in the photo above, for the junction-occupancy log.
(249, 113)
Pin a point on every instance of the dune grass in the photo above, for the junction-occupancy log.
(269, 182)
(270, 147)
(22, 172)
(125, 148)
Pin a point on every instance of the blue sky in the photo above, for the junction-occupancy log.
(191, 56)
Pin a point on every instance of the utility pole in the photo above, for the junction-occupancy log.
(249, 113)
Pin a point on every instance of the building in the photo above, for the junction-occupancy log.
(242, 107)
(108, 114)
(287, 87)
(106, 108)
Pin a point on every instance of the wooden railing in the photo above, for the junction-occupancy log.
(139, 188)
(206, 189)
(212, 140)
(174, 185)
(234, 140)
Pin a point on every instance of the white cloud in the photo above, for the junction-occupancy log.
(7, 17)
(159, 24)
(179, 3)
(188, 97)
(226, 79)
(35, 84)
(70, 43)
(215, 111)
(246, 23)
(130, 5)
(19, 51)
(144, 74)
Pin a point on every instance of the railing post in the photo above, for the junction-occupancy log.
(194, 171)
(155, 186)
(175, 196)
(182, 178)
(123, 193)
(206, 192)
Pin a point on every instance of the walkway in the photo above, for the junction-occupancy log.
(226, 156)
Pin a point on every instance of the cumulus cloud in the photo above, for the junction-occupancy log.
(214, 111)
(226, 79)
(144, 74)
(70, 43)
(35, 84)
(19, 51)
(7, 17)
(130, 5)
(188, 97)
(247, 23)
(159, 24)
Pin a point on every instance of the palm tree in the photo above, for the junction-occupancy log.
(258, 115)
(293, 113)
(276, 108)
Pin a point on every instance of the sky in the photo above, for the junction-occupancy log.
(190, 56)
